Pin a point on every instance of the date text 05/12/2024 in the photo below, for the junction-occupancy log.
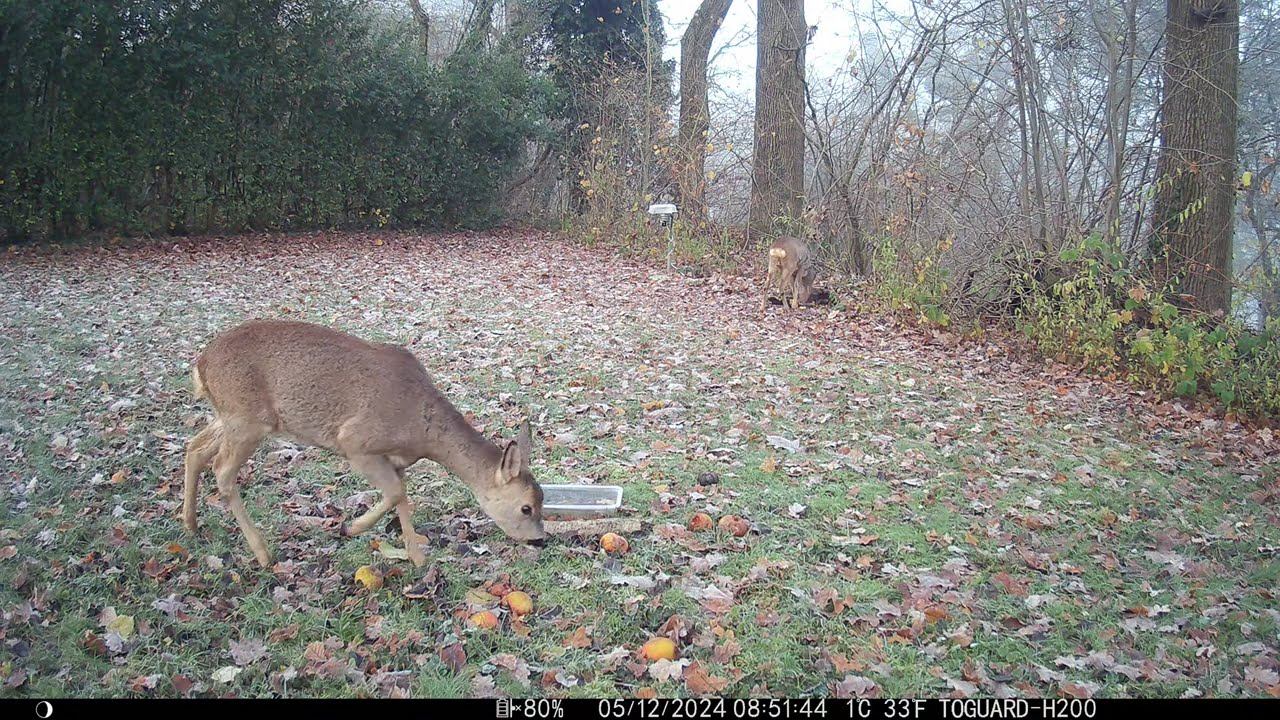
(824, 709)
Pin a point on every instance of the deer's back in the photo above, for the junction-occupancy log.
(307, 381)
(797, 252)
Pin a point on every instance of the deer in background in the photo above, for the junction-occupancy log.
(372, 403)
(790, 272)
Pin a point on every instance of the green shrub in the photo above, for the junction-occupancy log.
(174, 116)
(1103, 316)
(907, 284)
(1077, 317)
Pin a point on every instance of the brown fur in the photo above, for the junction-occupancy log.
(372, 403)
(790, 272)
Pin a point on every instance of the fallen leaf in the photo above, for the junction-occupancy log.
(247, 652)
(663, 670)
(857, 686)
(391, 552)
(782, 443)
(699, 682)
(1080, 690)
(454, 657)
(580, 638)
(121, 625)
(517, 667)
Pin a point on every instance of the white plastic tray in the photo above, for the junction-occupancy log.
(580, 501)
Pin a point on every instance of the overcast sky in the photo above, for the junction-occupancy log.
(736, 66)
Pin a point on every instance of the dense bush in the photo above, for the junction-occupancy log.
(1103, 314)
(904, 282)
(192, 115)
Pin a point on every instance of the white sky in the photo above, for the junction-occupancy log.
(736, 66)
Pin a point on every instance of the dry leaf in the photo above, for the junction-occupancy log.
(699, 682)
(663, 670)
(454, 657)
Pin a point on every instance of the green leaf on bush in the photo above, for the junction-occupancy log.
(1224, 391)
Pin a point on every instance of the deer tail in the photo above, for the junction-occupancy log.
(197, 382)
(777, 252)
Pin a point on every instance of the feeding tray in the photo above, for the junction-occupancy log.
(576, 502)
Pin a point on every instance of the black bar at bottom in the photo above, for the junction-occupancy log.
(621, 709)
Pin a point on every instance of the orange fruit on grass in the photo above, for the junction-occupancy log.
(614, 544)
(370, 578)
(701, 521)
(484, 620)
(659, 648)
(519, 602)
(734, 525)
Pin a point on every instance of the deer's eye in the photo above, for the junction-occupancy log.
(526, 510)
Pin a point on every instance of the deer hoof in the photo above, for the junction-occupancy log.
(413, 544)
(345, 530)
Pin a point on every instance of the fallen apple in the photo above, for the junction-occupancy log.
(658, 648)
(701, 521)
(518, 602)
(734, 525)
(484, 620)
(614, 544)
(368, 577)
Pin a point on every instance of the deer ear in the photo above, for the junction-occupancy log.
(514, 459)
(524, 441)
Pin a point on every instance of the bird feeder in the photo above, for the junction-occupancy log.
(666, 214)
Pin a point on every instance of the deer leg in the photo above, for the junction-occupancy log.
(200, 452)
(769, 281)
(237, 445)
(386, 478)
(413, 542)
(380, 472)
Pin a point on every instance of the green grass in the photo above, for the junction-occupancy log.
(956, 483)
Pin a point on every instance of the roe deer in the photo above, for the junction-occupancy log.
(373, 403)
(790, 271)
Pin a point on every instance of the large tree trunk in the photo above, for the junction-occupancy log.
(695, 116)
(424, 22)
(777, 166)
(479, 24)
(1119, 34)
(1195, 198)
(1031, 126)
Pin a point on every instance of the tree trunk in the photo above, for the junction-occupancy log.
(1120, 38)
(1195, 197)
(777, 166)
(1255, 202)
(695, 116)
(1031, 105)
(479, 24)
(424, 22)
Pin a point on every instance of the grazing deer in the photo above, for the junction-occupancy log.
(373, 403)
(790, 271)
